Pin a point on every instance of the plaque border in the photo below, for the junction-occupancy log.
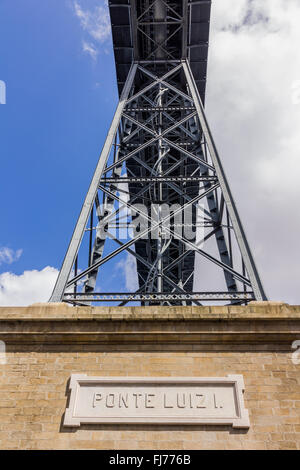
(76, 380)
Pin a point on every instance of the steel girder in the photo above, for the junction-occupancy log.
(159, 151)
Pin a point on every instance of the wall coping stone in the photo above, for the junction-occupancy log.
(264, 311)
(260, 323)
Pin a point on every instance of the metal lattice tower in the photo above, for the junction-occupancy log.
(159, 153)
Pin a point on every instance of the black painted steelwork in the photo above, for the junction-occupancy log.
(159, 152)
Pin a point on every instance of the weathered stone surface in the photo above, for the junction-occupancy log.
(47, 343)
(157, 400)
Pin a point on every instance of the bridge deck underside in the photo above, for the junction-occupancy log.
(191, 42)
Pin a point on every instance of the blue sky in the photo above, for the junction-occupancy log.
(59, 104)
(56, 60)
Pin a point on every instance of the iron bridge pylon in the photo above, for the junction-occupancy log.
(159, 193)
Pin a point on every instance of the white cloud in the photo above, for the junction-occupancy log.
(226, 13)
(89, 49)
(28, 288)
(253, 69)
(128, 267)
(254, 63)
(9, 256)
(96, 25)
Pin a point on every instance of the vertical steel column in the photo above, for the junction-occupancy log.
(159, 172)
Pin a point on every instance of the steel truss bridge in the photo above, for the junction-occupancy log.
(159, 153)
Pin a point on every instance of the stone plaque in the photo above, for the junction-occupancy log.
(157, 400)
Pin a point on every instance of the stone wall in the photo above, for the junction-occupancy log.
(45, 344)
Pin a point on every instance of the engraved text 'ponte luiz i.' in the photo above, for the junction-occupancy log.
(165, 400)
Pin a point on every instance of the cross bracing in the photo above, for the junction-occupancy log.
(159, 192)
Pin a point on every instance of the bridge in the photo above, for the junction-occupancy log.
(142, 32)
(159, 178)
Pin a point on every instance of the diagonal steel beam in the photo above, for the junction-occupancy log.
(91, 194)
(194, 247)
(234, 216)
(140, 235)
(156, 82)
